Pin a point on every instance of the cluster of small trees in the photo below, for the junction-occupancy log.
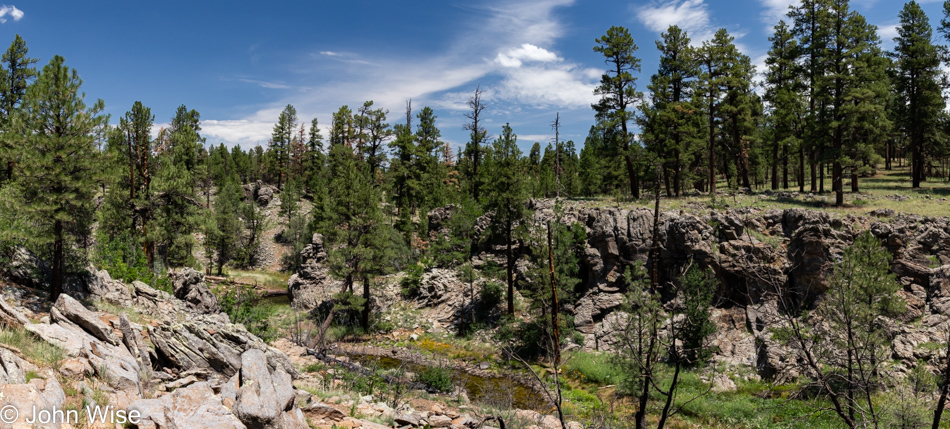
(832, 100)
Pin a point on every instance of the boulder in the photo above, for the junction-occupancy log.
(102, 286)
(27, 269)
(191, 288)
(212, 343)
(195, 406)
(77, 313)
(264, 399)
(40, 395)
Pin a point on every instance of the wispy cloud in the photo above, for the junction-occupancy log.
(266, 84)
(505, 50)
(10, 11)
(776, 10)
(887, 32)
(690, 15)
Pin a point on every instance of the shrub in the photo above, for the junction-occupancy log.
(412, 281)
(436, 377)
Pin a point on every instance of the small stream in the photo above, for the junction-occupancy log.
(502, 392)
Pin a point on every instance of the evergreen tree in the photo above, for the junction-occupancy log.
(671, 123)
(783, 93)
(916, 83)
(474, 150)
(506, 198)
(812, 24)
(359, 241)
(223, 232)
(176, 213)
(57, 165)
(280, 143)
(618, 91)
(427, 169)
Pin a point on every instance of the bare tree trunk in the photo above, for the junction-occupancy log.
(944, 390)
(511, 273)
(56, 288)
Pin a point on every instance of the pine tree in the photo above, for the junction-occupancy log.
(18, 70)
(671, 123)
(280, 144)
(223, 233)
(473, 149)
(618, 91)
(812, 23)
(916, 83)
(57, 164)
(783, 93)
(506, 197)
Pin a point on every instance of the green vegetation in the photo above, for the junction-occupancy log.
(33, 348)
(439, 378)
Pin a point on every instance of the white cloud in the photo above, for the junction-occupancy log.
(503, 51)
(246, 133)
(887, 32)
(10, 11)
(690, 15)
(527, 52)
(776, 10)
(549, 85)
(266, 84)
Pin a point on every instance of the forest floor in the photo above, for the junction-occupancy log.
(885, 190)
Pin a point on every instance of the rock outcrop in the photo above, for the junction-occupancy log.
(312, 284)
(190, 287)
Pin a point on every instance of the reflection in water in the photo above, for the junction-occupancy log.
(501, 392)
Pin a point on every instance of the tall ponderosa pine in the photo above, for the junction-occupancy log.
(672, 123)
(355, 229)
(280, 142)
(783, 93)
(57, 164)
(618, 92)
(916, 78)
(506, 197)
(15, 76)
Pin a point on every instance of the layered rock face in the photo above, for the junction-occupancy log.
(216, 373)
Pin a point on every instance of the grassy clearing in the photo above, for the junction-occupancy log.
(33, 348)
(886, 190)
(267, 280)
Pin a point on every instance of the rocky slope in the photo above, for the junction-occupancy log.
(760, 257)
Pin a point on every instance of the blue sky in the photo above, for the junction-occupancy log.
(239, 63)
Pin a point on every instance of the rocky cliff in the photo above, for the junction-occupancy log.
(760, 257)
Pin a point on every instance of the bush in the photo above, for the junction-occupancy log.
(490, 297)
(242, 304)
(436, 377)
(412, 281)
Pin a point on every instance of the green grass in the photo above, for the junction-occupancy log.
(33, 348)
(876, 192)
(268, 280)
(595, 368)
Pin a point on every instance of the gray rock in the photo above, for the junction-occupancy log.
(195, 406)
(265, 400)
(10, 316)
(27, 269)
(80, 315)
(312, 284)
(190, 287)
